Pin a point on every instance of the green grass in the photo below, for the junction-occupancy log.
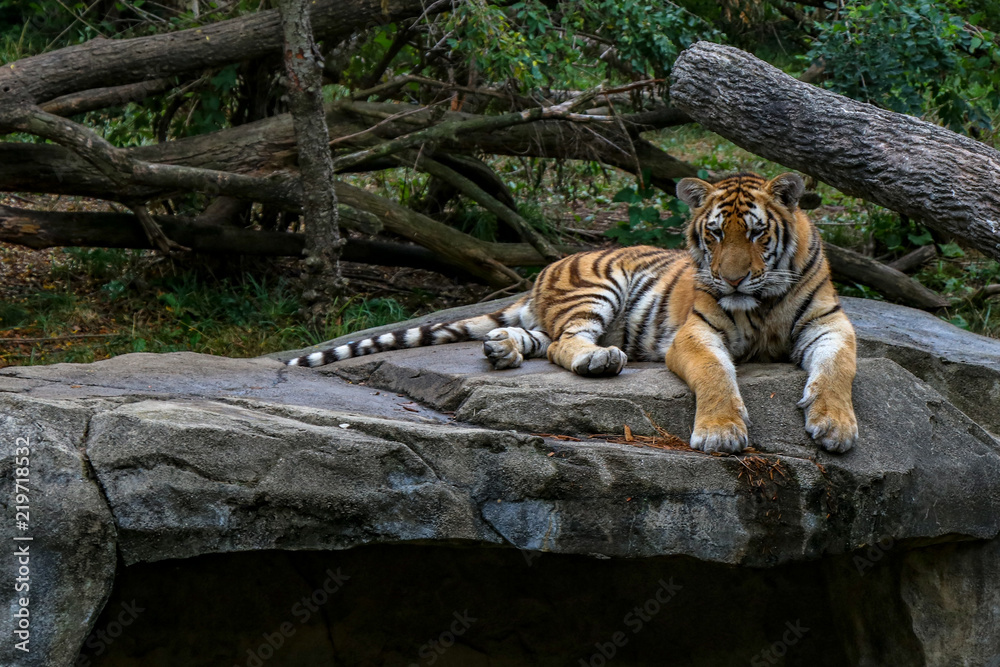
(104, 296)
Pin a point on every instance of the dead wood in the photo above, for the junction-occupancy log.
(850, 266)
(912, 261)
(931, 174)
(322, 281)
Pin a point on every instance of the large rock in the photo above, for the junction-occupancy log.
(964, 367)
(167, 457)
(57, 532)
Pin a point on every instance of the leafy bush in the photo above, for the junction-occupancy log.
(913, 57)
(645, 225)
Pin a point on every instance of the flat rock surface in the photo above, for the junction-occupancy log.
(186, 376)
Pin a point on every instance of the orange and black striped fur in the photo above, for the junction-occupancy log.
(753, 285)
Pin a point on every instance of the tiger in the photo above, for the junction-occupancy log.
(753, 285)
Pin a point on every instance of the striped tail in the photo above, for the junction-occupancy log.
(474, 328)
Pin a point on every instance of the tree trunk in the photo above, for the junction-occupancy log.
(322, 281)
(944, 180)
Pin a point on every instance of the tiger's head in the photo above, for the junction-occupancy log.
(743, 235)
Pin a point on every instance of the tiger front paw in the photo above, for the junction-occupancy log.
(599, 362)
(830, 421)
(727, 437)
(723, 430)
(502, 351)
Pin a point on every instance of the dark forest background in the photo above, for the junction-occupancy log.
(471, 141)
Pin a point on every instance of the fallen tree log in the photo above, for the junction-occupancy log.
(115, 62)
(52, 229)
(912, 261)
(851, 266)
(268, 145)
(462, 250)
(944, 180)
(39, 230)
(42, 229)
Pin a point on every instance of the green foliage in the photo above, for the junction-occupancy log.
(959, 276)
(951, 250)
(536, 217)
(645, 226)
(95, 263)
(859, 291)
(892, 233)
(536, 46)
(357, 313)
(13, 315)
(212, 100)
(911, 56)
(474, 221)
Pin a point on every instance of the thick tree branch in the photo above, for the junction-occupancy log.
(50, 229)
(848, 265)
(102, 98)
(487, 201)
(125, 172)
(461, 249)
(984, 293)
(111, 62)
(912, 261)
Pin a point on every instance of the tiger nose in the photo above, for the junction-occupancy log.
(737, 281)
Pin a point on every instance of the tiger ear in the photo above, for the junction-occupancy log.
(693, 191)
(788, 189)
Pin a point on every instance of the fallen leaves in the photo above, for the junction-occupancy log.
(662, 439)
(760, 474)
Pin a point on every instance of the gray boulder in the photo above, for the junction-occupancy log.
(58, 533)
(173, 458)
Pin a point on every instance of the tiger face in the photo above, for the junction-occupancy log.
(743, 236)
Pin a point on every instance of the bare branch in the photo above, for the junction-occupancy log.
(101, 98)
(487, 201)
